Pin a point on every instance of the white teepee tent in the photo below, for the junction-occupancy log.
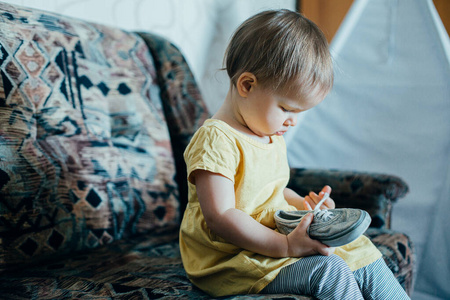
(389, 112)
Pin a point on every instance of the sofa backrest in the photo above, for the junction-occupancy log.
(183, 104)
(85, 152)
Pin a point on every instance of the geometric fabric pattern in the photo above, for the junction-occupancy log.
(183, 104)
(85, 152)
(147, 267)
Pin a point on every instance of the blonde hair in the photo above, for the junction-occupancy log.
(280, 47)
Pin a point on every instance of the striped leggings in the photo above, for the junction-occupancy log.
(329, 277)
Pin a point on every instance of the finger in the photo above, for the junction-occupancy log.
(325, 250)
(311, 202)
(306, 204)
(319, 248)
(329, 203)
(314, 197)
(326, 189)
(306, 221)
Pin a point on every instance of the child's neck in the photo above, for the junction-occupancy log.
(229, 114)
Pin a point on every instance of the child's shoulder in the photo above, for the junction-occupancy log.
(214, 131)
(215, 124)
(212, 139)
(214, 127)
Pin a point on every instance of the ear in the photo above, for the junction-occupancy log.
(245, 84)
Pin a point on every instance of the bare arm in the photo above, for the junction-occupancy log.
(295, 199)
(217, 201)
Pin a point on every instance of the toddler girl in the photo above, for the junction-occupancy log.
(279, 66)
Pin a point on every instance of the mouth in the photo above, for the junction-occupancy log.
(280, 133)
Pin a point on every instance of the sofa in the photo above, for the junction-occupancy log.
(93, 124)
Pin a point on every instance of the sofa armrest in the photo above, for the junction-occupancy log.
(373, 192)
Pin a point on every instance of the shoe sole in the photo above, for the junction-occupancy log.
(350, 234)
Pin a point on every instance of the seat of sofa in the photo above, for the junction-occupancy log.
(145, 267)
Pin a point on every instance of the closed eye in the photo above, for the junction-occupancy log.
(294, 111)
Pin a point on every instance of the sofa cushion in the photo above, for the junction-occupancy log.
(85, 155)
(147, 267)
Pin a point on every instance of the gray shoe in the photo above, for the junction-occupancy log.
(334, 227)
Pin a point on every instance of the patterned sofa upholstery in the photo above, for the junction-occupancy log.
(93, 124)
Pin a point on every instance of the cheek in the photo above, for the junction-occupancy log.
(276, 118)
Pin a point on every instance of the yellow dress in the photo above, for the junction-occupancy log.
(260, 173)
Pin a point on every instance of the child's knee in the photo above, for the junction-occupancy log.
(333, 278)
(335, 262)
(332, 266)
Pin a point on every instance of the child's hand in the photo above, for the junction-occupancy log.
(300, 244)
(312, 199)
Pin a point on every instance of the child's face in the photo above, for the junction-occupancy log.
(268, 113)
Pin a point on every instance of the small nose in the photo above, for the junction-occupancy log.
(291, 120)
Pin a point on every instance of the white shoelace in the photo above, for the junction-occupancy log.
(322, 213)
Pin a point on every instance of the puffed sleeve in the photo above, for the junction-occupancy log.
(212, 150)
